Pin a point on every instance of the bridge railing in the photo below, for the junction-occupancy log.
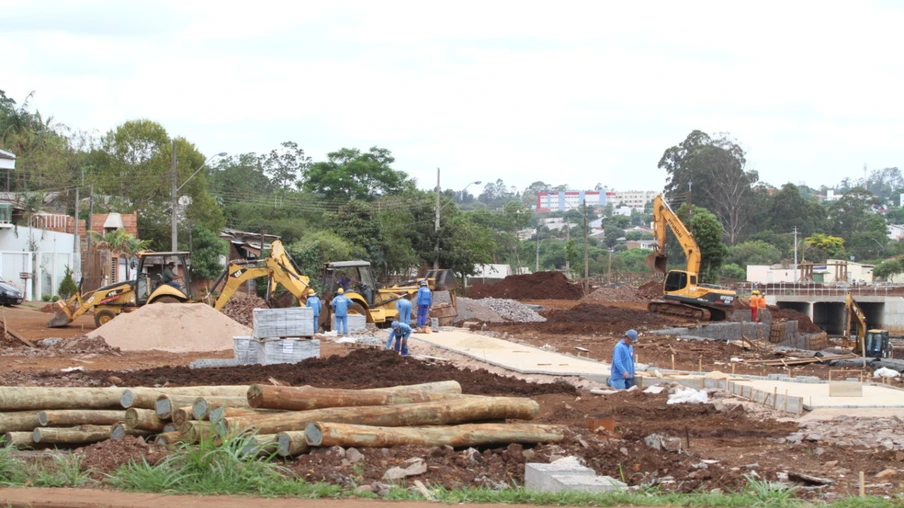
(819, 289)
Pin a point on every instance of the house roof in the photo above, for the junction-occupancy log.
(7, 155)
(129, 222)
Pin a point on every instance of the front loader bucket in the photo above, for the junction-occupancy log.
(657, 262)
(60, 317)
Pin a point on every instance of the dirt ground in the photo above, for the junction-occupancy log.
(734, 439)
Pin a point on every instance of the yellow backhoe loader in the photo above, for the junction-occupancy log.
(148, 287)
(875, 341)
(378, 303)
(684, 295)
(278, 267)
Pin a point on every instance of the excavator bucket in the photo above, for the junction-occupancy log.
(657, 262)
(60, 317)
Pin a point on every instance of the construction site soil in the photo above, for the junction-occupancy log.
(545, 285)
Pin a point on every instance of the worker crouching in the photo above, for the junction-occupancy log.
(621, 376)
(399, 332)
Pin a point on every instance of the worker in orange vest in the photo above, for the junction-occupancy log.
(757, 302)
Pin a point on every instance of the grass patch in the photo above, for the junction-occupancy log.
(53, 470)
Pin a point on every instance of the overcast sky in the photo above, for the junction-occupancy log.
(563, 92)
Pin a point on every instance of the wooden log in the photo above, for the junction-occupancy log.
(481, 434)
(170, 427)
(76, 435)
(144, 419)
(166, 404)
(69, 417)
(301, 398)
(40, 398)
(202, 406)
(291, 443)
(120, 430)
(19, 439)
(443, 412)
(169, 438)
(218, 413)
(261, 444)
(145, 398)
(182, 415)
(193, 431)
(19, 421)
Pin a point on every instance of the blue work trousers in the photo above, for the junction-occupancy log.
(316, 323)
(422, 311)
(621, 383)
(342, 325)
(405, 315)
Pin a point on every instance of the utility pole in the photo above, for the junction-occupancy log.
(436, 229)
(609, 277)
(89, 224)
(537, 267)
(567, 239)
(586, 256)
(76, 244)
(795, 254)
(174, 232)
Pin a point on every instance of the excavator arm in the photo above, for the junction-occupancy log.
(663, 217)
(854, 312)
(278, 267)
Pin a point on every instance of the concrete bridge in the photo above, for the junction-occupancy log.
(826, 309)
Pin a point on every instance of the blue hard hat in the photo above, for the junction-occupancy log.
(631, 334)
(395, 324)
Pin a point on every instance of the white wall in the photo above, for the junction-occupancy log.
(53, 253)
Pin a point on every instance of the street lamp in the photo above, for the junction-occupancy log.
(176, 188)
(436, 226)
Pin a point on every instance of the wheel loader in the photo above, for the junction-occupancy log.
(378, 303)
(109, 301)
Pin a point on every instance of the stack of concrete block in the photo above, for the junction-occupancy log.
(274, 351)
(356, 323)
(567, 474)
(245, 349)
(277, 323)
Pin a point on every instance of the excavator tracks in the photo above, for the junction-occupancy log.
(679, 309)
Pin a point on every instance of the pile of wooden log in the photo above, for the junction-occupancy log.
(285, 420)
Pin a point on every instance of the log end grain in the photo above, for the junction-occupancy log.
(255, 396)
(163, 407)
(118, 431)
(313, 436)
(127, 399)
(42, 418)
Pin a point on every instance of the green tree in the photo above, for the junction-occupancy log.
(206, 252)
(349, 174)
(633, 260)
(708, 232)
(854, 212)
(733, 272)
(788, 209)
(720, 182)
(755, 252)
(285, 164)
(888, 268)
(821, 246)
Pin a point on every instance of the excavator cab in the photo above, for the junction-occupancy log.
(149, 277)
(877, 344)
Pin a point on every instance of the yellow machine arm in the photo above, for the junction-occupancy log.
(278, 268)
(664, 216)
(854, 312)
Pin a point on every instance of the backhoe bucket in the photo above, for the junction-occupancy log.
(657, 262)
(60, 317)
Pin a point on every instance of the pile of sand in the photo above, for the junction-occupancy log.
(173, 327)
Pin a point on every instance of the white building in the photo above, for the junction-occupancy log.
(895, 232)
(831, 196)
(634, 199)
(826, 272)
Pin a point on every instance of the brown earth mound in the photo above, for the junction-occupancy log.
(359, 369)
(804, 323)
(241, 308)
(535, 286)
(607, 315)
(86, 344)
(650, 290)
(108, 456)
(619, 294)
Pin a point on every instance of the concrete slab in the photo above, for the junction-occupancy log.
(539, 476)
(816, 395)
(587, 484)
(516, 357)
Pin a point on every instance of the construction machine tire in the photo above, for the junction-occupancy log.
(357, 308)
(167, 299)
(103, 317)
(679, 309)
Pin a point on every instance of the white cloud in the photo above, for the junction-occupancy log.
(578, 93)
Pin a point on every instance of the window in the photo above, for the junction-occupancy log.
(675, 281)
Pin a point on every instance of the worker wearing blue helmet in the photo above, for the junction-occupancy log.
(621, 377)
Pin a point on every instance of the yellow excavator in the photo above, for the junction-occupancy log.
(148, 287)
(109, 301)
(378, 303)
(875, 341)
(683, 294)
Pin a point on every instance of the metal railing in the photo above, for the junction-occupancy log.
(819, 289)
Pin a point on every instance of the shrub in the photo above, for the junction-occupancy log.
(67, 285)
(45, 298)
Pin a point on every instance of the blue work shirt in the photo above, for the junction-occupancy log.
(340, 305)
(622, 361)
(314, 303)
(403, 304)
(344, 282)
(403, 331)
(424, 296)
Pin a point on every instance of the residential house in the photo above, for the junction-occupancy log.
(895, 232)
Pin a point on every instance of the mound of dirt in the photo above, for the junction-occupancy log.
(473, 310)
(804, 323)
(86, 344)
(241, 308)
(108, 456)
(650, 290)
(362, 368)
(534, 286)
(173, 327)
(618, 294)
(608, 317)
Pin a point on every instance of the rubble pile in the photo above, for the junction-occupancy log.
(534, 286)
(512, 310)
(476, 310)
(883, 433)
(614, 294)
(650, 290)
(241, 308)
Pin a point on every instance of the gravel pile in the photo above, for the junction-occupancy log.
(475, 310)
(853, 431)
(619, 294)
(513, 311)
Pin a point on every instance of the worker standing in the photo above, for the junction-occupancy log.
(621, 375)
(400, 332)
(404, 308)
(313, 302)
(757, 302)
(424, 301)
(340, 305)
